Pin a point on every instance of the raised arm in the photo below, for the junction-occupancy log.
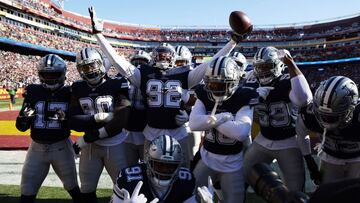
(197, 74)
(300, 93)
(124, 67)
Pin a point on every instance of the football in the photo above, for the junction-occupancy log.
(240, 23)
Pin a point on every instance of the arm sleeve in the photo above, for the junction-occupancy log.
(198, 120)
(239, 128)
(124, 67)
(300, 93)
(121, 115)
(302, 137)
(197, 74)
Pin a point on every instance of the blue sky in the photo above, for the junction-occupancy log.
(214, 12)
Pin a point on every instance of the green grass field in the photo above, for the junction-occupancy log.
(10, 194)
(5, 103)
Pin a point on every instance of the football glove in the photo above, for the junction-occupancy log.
(103, 117)
(220, 118)
(97, 25)
(264, 91)
(135, 196)
(28, 112)
(237, 37)
(206, 194)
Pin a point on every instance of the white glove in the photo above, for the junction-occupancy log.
(135, 197)
(28, 111)
(264, 91)
(206, 194)
(103, 117)
(181, 118)
(220, 118)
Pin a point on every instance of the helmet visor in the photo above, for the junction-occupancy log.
(264, 71)
(164, 170)
(90, 70)
(217, 88)
(50, 78)
(137, 62)
(181, 62)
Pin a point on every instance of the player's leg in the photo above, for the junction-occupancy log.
(291, 164)
(115, 160)
(331, 172)
(35, 169)
(233, 186)
(90, 169)
(132, 153)
(184, 146)
(63, 163)
(201, 174)
(256, 154)
(353, 170)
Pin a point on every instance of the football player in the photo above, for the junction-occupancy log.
(183, 56)
(162, 176)
(280, 95)
(95, 100)
(334, 113)
(223, 112)
(45, 111)
(162, 90)
(134, 143)
(241, 61)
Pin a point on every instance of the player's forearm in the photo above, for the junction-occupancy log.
(124, 67)
(197, 74)
(82, 123)
(300, 93)
(199, 120)
(119, 121)
(302, 137)
(240, 128)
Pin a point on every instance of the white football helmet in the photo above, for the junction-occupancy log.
(240, 60)
(90, 65)
(183, 57)
(163, 159)
(334, 102)
(51, 71)
(140, 58)
(267, 65)
(221, 78)
(163, 56)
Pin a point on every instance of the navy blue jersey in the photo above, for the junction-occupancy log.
(44, 128)
(180, 190)
(137, 117)
(215, 141)
(163, 101)
(343, 143)
(277, 115)
(88, 100)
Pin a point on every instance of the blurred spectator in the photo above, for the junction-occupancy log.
(12, 92)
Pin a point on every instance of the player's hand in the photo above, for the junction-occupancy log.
(78, 145)
(313, 169)
(181, 118)
(97, 25)
(206, 194)
(220, 118)
(28, 112)
(285, 56)
(135, 196)
(264, 91)
(237, 37)
(103, 117)
(59, 115)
